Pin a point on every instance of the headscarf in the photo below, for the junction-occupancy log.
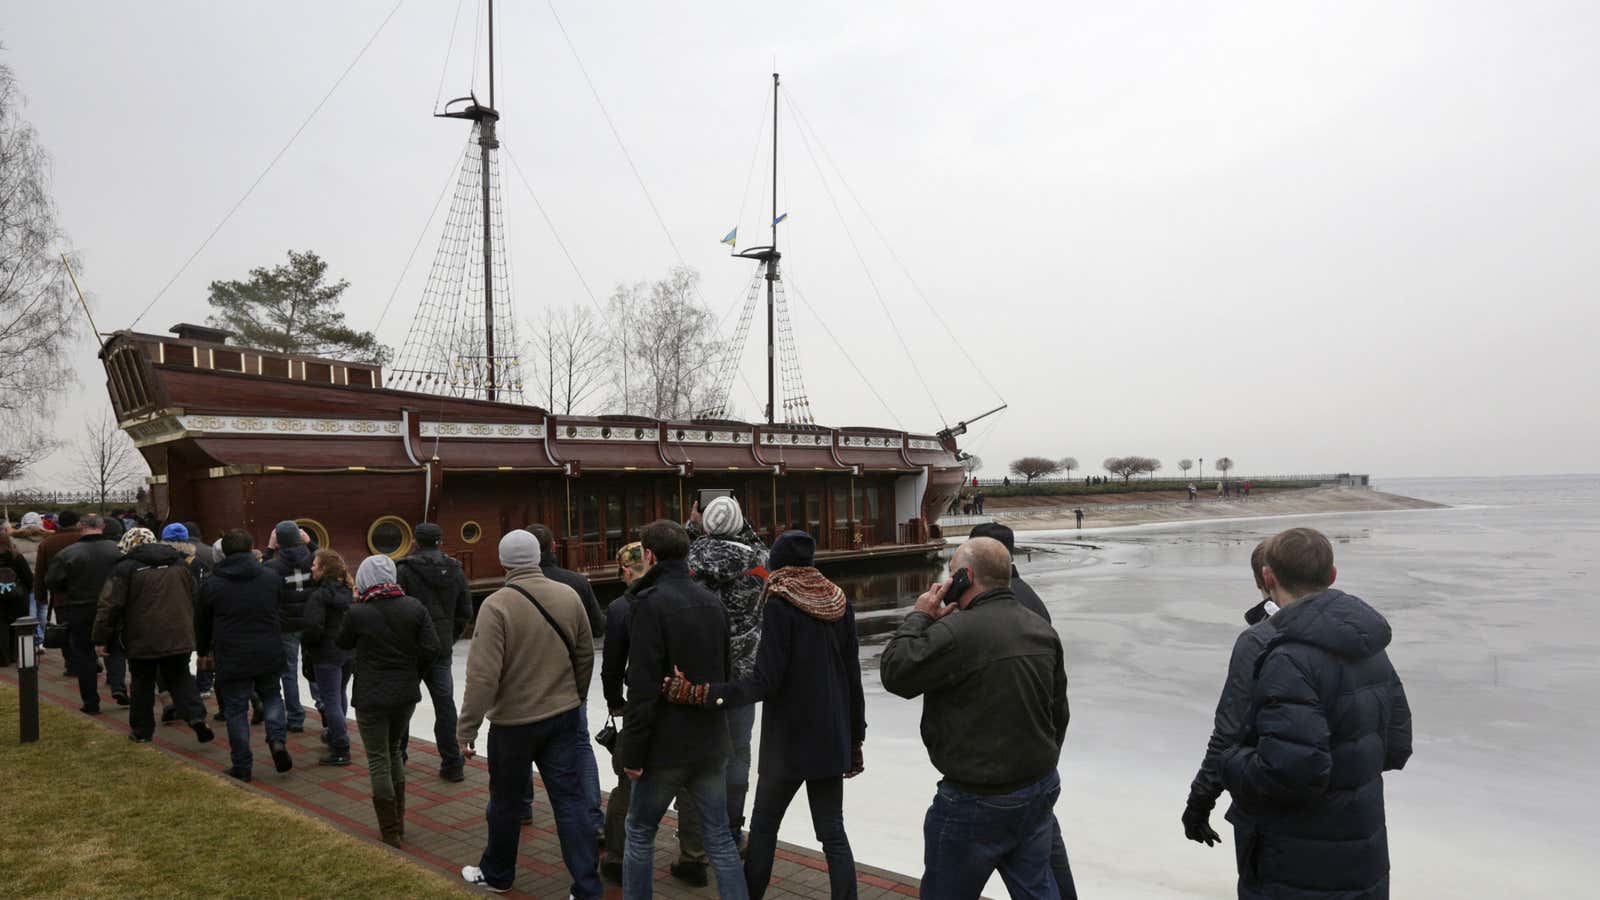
(135, 537)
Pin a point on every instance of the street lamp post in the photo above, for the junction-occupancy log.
(1202, 468)
(27, 678)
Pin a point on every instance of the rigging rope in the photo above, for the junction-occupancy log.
(454, 170)
(449, 46)
(259, 178)
(900, 338)
(789, 279)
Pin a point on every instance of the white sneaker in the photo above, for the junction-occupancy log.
(474, 876)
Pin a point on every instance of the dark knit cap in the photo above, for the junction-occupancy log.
(792, 548)
(995, 530)
(287, 533)
(67, 519)
(428, 534)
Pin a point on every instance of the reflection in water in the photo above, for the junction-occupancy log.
(882, 590)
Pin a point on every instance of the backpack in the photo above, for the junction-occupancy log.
(8, 579)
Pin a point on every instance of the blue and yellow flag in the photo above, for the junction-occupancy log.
(780, 218)
(731, 237)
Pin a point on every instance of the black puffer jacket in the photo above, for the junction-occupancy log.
(237, 617)
(79, 572)
(1233, 709)
(326, 606)
(437, 581)
(1328, 718)
(149, 601)
(394, 641)
(293, 565)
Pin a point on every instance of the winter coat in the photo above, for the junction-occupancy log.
(676, 621)
(1328, 716)
(395, 643)
(49, 547)
(437, 581)
(20, 583)
(995, 711)
(1026, 596)
(579, 583)
(737, 572)
(205, 558)
(1233, 709)
(237, 618)
(614, 668)
(326, 607)
(293, 565)
(28, 541)
(149, 601)
(78, 573)
(809, 673)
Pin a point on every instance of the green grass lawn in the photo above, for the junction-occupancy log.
(85, 813)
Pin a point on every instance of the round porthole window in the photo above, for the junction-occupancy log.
(572, 431)
(471, 532)
(605, 432)
(390, 536)
(317, 532)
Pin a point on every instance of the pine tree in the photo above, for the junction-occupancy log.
(292, 309)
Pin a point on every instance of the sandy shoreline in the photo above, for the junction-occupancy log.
(1284, 503)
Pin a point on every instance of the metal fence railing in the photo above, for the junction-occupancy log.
(45, 500)
(1211, 476)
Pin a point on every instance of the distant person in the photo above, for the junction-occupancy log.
(27, 537)
(440, 584)
(678, 627)
(977, 502)
(1328, 716)
(290, 557)
(1246, 487)
(394, 643)
(1079, 514)
(998, 759)
(726, 556)
(51, 542)
(238, 636)
(813, 720)
(75, 578)
(1006, 481)
(16, 592)
(1193, 493)
(332, 595)
(1233, 708)
(528, 672)
(148, 605)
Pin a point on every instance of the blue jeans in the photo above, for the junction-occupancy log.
(116, 668)
(966, 837)
(589, 774)
(41, 611)
(291, 680)
(234, 695)
(741, 723)
(1060, 866)
(441, 691)
(651, 795)
(826, 798)
(329, 688)
(513, 751)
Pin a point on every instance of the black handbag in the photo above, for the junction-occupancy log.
(56, 636)
(607, 736)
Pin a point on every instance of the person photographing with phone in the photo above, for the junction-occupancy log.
(993, 680)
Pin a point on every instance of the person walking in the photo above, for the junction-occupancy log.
(1328, 716)
(148, 605)
(394, 643)
(332, 593)
(677, 626)
(205, 558)
(726, 556)
(16, 592)
(238, 636)
(1233, 708)
(27, 538)
(528, 672)
(967, 643)
(289, 556)
(437, 580)
(75, 578)
(1079, 514)
(68, 531)
(813, 721)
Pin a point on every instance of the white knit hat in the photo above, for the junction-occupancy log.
(32, 520)
(722, 517)
(375, 570)
(519, 549)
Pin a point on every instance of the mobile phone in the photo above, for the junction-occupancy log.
(959, 583)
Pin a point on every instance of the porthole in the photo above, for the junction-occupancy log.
(708, 436)
(605, 432)
(317, 532)
(389, 536)
(572, 431)
(638, 432)
(471, 532)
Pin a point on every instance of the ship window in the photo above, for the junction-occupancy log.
(275, 367)
(317, 531)
(319, 372)
(390, 536)
(471, 532)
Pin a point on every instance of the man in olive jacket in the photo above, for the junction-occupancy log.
(994, 716)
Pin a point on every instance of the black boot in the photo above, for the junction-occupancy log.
(280, 756)
(388, 820)
(400, 807)
(335, 757)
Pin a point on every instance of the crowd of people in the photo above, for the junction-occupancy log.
(713, 622)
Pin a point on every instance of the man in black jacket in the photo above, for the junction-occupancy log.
(1328, 716)
(78, 573)
(291, 560)
(238, 636)
(965, 652)
(677, 625)
(437, 581)
(1233, 707)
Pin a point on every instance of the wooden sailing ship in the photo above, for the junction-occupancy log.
(238, 437)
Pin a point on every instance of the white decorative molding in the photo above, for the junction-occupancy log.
(794, 439)
(481, 430)
(622, 433)
(277, 425)
(870, 441)
(690, 435)
(925, 444)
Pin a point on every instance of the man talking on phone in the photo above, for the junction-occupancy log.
(966, 645)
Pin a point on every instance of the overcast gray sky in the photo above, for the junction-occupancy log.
(1313, 237)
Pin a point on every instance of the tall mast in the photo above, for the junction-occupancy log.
(486, 143)
(772, 264)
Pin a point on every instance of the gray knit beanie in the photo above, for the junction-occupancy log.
(519, 549)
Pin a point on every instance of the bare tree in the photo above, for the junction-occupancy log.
(1068, 463)
(670, 340)
(1185, 465)
(37, 316)
(1031, 467)
(971, 462)
(1224, 464)
(107, 460)
(1126, 467)
(572, 357)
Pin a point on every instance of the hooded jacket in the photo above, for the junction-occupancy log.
(1328, 716)
(293, 565)
(326, 607)
(437, 581)
(78, 573)
(237, 618)
(149, 600)
(736, 571)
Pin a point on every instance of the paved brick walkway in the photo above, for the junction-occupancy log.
(444, 822)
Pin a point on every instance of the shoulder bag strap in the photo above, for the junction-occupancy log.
(572, 653)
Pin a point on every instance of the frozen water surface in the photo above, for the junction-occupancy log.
(1496, 637)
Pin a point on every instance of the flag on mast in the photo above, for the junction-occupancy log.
(780, 218)
(731, 237)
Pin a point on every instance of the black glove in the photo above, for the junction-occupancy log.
(1197, 825)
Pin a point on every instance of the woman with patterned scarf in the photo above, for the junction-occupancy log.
(395, 642)
(808, 670)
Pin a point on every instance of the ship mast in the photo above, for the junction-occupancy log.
(772, 264)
